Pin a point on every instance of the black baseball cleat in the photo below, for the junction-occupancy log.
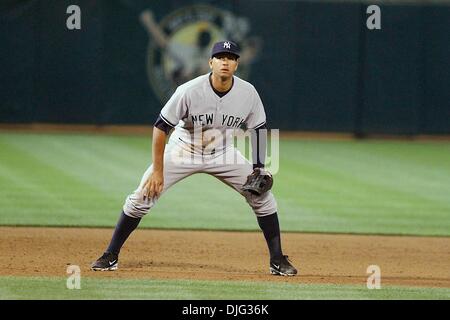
(282, 267)
(107, 262)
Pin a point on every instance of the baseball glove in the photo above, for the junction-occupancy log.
(259, 182)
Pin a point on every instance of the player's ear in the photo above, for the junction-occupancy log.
(210, 63)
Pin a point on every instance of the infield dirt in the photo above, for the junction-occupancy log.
(217, 255)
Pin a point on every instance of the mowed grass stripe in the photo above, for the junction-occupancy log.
(34, 190)
(88, 159)
(56, 288)
(380, 167)
(354, 192)
(410, 176)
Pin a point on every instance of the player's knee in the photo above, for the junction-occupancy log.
(137, 207)
(262, 205)
(133, 214)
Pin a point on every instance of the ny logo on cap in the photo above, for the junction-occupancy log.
(227, 45)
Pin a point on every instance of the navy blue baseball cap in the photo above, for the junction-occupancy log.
(225, 46)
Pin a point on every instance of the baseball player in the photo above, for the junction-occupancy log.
(202, 113)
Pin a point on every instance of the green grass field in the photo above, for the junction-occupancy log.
(380, 187)
(56, 288)
(370, 187)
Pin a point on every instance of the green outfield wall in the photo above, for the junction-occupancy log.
(315, 64)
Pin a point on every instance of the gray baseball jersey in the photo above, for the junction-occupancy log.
(196, 108)
(195, 105)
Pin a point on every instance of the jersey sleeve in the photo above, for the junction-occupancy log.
(175, 109)
(162, 125)
(257, 116)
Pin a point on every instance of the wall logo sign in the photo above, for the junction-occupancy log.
(180, 44)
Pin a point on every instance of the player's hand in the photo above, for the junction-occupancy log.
(154, 185)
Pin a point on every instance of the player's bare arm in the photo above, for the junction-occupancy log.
(155, 182)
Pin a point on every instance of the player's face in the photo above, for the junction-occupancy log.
(224, 64)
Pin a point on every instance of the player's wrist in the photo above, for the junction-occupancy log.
(258, 165)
